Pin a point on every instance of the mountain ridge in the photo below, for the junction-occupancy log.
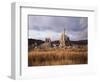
(79, 42)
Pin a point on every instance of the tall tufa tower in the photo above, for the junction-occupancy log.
(63, 39)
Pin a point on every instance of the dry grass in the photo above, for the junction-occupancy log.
(59, 56)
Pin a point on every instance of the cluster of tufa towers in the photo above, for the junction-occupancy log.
(63, 42)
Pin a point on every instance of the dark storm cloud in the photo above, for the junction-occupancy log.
(76, 27)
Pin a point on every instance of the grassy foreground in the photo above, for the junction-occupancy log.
(59, 56)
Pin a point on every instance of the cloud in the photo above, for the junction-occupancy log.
(42, 35)
(76, 27)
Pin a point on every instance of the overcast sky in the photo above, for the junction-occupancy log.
(41, 27)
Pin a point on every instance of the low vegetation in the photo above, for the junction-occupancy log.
(58, 56)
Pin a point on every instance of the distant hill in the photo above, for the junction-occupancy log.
(32, 41)
(80, 42)
(55, 42)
